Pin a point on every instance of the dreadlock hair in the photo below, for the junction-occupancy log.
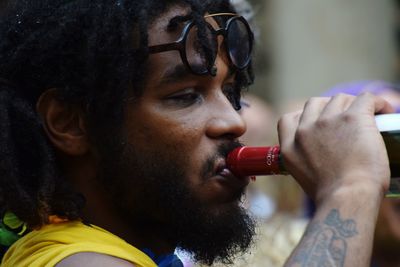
(93, 52)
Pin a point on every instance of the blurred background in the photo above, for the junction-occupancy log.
(307, 46)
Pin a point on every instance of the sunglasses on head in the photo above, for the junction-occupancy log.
(238, 41)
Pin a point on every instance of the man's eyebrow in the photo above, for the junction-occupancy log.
(180, 72)
(174, 74)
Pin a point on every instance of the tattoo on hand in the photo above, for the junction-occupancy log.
(325, 243)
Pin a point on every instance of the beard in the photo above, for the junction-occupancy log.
(150, 189)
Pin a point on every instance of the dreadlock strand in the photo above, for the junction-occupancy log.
(12, 177)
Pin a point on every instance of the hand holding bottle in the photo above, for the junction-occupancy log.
(334, 144)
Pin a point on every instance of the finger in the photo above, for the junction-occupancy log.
(287, 126)
(312, 109)
(368, 103)
(337, 105)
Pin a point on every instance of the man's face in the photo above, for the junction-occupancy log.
(171, 174)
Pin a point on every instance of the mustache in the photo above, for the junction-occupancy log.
(222, 152)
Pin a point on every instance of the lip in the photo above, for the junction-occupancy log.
(225, 175)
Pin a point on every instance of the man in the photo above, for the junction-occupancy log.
(116, 119)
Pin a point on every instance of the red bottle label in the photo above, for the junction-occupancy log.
(249, 161)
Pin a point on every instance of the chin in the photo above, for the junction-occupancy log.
(216, 234)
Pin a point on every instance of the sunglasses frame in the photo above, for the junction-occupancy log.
(180, 44)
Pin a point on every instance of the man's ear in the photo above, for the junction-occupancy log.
(63, 123)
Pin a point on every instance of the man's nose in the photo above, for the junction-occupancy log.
(225, 121)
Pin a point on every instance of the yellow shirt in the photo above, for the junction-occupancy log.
(52, 243)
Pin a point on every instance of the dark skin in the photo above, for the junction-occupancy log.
(324, 148)
(198, 116)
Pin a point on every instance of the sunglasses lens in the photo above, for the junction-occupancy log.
(239, 43)
(195, 53)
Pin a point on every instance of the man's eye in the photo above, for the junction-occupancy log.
(185, 98)
(233, 95)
